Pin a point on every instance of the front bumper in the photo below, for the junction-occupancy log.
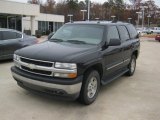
(30, 82)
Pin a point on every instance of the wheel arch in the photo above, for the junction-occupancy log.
(98, 67)
(136, 53)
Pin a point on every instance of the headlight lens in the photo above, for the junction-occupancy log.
(16, 57)
(16, 60)
(65, 65)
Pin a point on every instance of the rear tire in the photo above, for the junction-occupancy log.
(132, 66)
(90, 87)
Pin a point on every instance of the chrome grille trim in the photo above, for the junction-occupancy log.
(36, 60)
(35, 72)
(43, 68)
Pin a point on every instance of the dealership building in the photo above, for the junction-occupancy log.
(27, 17)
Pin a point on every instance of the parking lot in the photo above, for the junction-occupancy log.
(127, 98)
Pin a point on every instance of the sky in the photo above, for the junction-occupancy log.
(156, 1)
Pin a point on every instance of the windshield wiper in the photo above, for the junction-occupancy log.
(56, 40)
(76, 41)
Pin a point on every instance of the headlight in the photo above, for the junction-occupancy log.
(65, 65)
(16, 57)
(16, 60)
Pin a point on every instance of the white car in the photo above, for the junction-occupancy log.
(139, 30)
(156, 30)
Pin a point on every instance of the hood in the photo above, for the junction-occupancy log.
(56, 52)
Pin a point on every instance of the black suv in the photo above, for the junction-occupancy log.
(78, 59)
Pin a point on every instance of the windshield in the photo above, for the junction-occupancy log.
(79, 34)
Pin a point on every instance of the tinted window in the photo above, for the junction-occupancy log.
(112, 33)
(123, 33)
(0, 35)
(9, 35)
(90, 34)
(132, 31)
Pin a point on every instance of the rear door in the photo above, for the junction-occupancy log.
(126, 44)
(11, 42)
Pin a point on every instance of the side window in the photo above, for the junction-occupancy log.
(18, 35)
(123, 33)
(112, 33)
(0, 35)
(132, 31)
(9, 35)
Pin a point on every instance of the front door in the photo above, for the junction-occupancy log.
(113, 54)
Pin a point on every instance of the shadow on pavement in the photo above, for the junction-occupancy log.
(6, 61)
(54, 101)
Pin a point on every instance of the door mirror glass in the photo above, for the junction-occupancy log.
(114, 42)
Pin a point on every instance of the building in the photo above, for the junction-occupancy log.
(27, 17)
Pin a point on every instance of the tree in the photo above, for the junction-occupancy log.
(135, 3)
(72, 5)
(82, 5)
(50, 4)
(109, 9)
(96, 11)
(119, 7)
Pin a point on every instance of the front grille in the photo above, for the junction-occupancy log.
(39, 67)
(47, 73)
(36, 62)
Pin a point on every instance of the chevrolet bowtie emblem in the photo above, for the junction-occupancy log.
(31, 66)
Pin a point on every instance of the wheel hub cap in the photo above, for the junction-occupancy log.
(133, 65)
(92, 87)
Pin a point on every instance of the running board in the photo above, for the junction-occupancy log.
(110, 79)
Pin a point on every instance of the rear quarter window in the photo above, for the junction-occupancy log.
(124, 35)
(132, 31)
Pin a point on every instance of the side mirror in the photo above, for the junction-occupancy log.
(114, 42)
(50, 35)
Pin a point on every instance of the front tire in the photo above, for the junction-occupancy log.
(132, 66)
(90, 87)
